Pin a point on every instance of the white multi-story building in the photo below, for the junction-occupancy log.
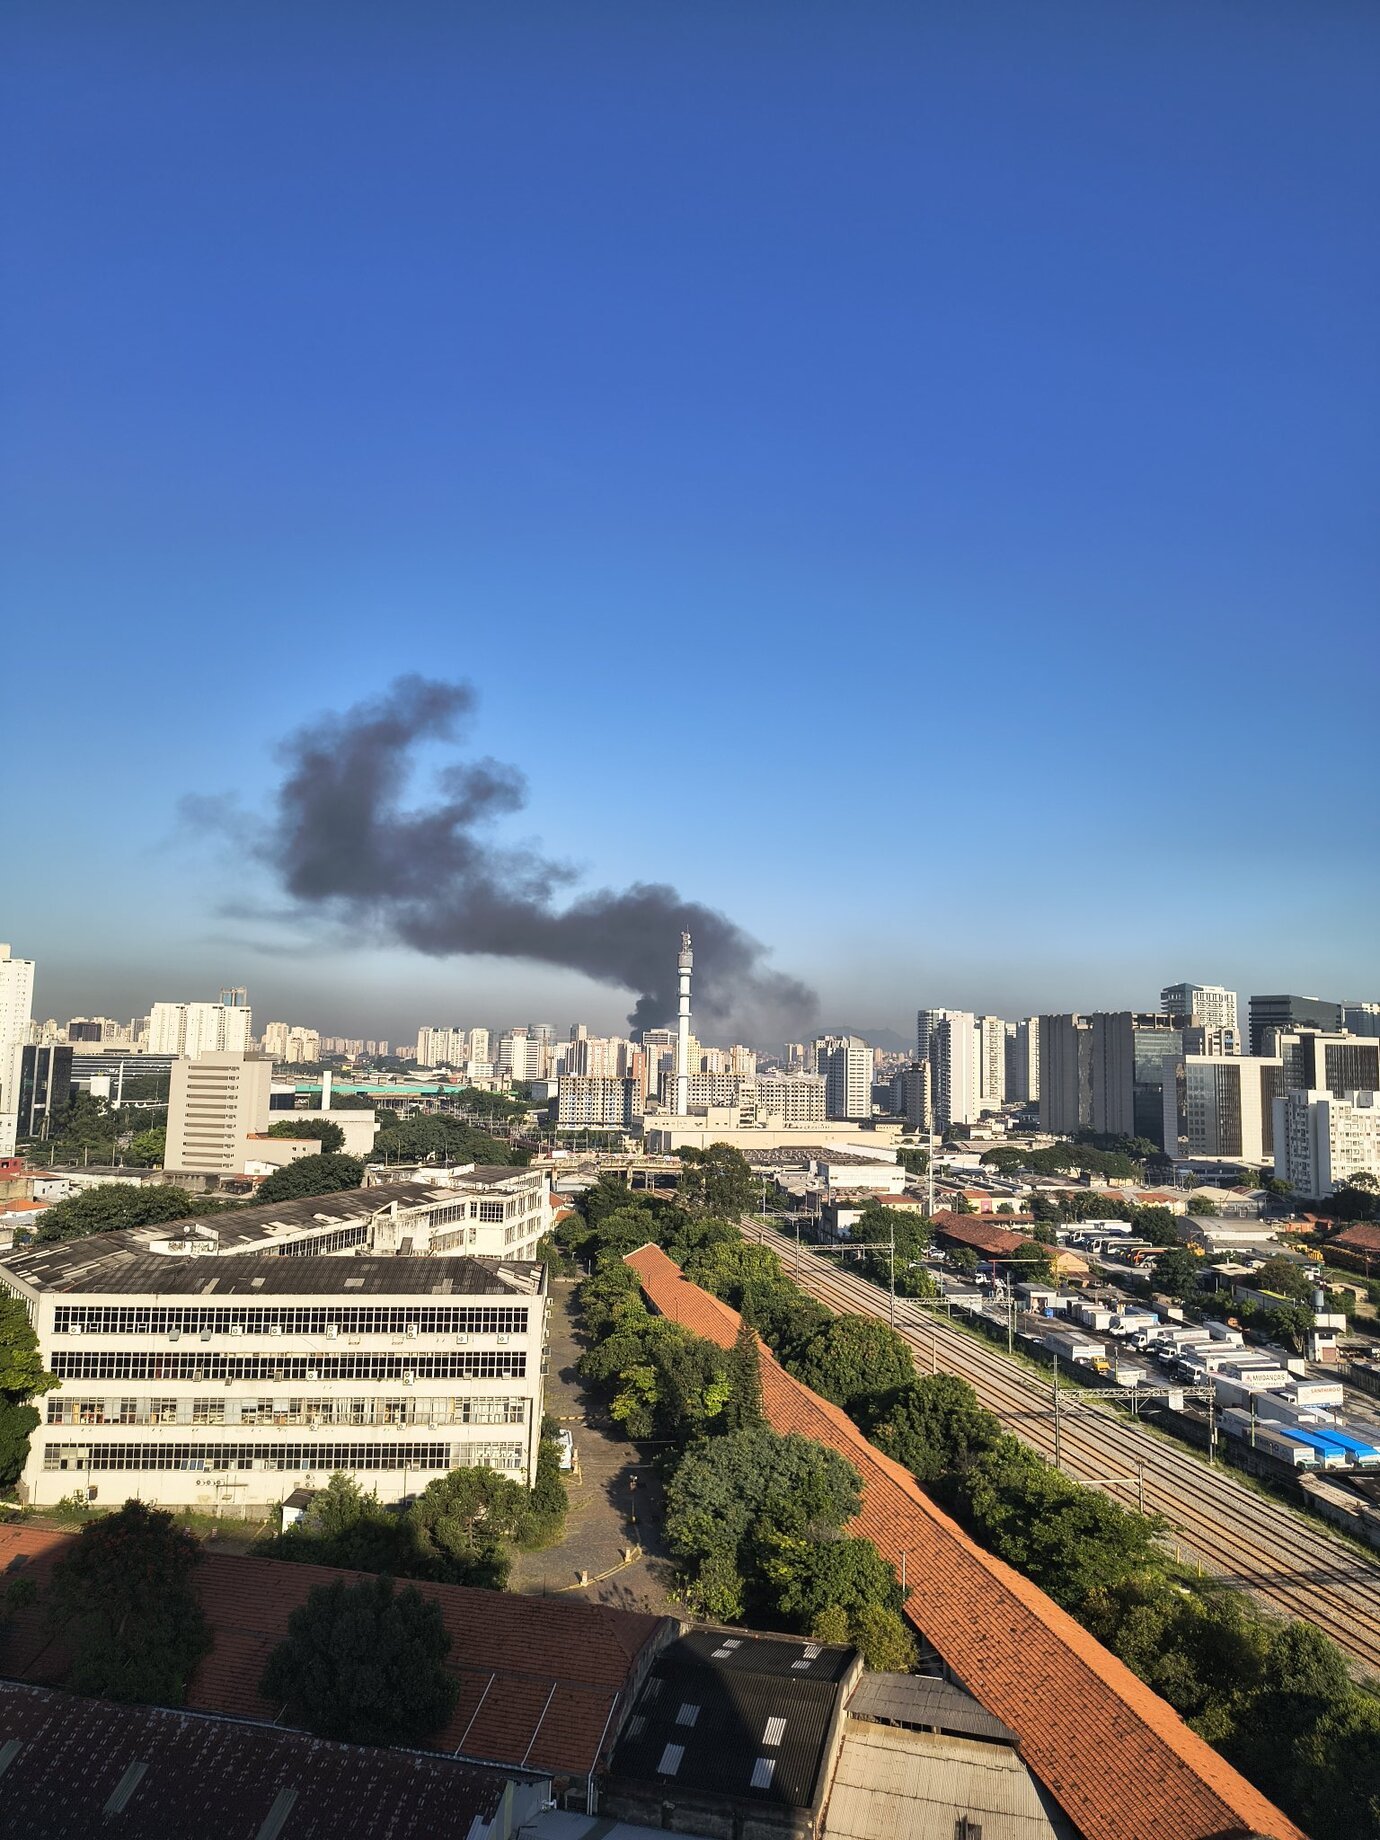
(954, 1070)
(1209, 1004)
(441, 1047)
(991, 1062)
(1221, 1106)
(1361, 1018)
(215, 1103)
(593, 1101)
(292, 1043)
(794, 1098)
(200, 1028)
(16, 1012)
(1321, 1140)
(845, 1061)
(224, 1363)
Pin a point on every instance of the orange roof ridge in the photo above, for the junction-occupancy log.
(1116, 1756)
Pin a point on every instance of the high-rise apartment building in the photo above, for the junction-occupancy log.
(1066, 1073)
(1322, 1141)
(596, 1102)
(214, 1103)
(1289, 1014)
(991, 1062)
(846, 1063)
(910, 1095)
(954, 1085)
(442, 1047)
(926, 1022)
(1222, 1106)
(292, 1043)
(1209, 1004)
(200, 1028)
(16, 1012)
(794, 1098)
(1023, 1061)
(480, 1045)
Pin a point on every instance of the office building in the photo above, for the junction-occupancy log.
(1290, 1014)
(1129, 1051)
(598, 1102)
(1023, 1061)
(991, 1062)
(200, 1028)
(1065, 1047)
(1322, 1140)
(1327, 1063)
(1208, 1004)
(16, 1012)
(195, 1374)
(1222, 1106)
(214, 1103)
(45, 1088)
(1361, 1018)
(845, 1061)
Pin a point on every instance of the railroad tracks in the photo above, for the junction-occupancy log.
(1271, 1550)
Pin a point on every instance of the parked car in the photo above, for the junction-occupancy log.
(565, 1446)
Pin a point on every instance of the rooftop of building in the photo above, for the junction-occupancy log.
(977, 1231)
(731, 1714)
(74, 1766)
(68, 1267)
(542, 1679)
(1119, 1760)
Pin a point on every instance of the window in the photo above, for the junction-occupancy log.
(316, 1456)
(288, 1319)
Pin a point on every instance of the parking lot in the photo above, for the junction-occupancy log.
(615, 1493)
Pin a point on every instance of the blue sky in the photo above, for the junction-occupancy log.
(904, 473)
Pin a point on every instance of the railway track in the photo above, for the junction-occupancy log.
(1290, 1564)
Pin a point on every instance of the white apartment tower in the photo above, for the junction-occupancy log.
(200, 1028)
(991, 1062)
(16, 1012)
(846, 1064)
(954, 1070)
(1321, 1141)
(214, 1103)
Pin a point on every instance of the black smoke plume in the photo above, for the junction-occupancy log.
(340, 840)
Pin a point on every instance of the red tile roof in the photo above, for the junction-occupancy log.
(1363, 1237)
(540, 1677)
(1117, 1758)
(968, 1230)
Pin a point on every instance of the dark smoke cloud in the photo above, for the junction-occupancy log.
(341, 841)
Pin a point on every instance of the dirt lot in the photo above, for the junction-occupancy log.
(615, 1494)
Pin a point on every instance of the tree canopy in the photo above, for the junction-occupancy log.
(311, 1175)
(364, 1664)
(123, 1599)
(302, 1124)
(853, 1357)
(935, 1426)
(717, 1180)
(22, 1377)
(115, 1206)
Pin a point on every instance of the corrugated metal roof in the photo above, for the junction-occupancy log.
(926, 1703)
(920, 1784)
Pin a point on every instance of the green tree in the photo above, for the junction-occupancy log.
(462, 1523)
(1286, 1279)
(1176, 1272)
(124, 1602)
(744, 1405)
(312, 1175)
(343, 1526)
(757, 1482)
(440, 1139)
(325, 1130)
(114, 1207)
(364, 1664)
(810, 1576)
(935, 1426)
(729, 1268)
(22, 1379)
(146, 1148)
(717, 1180)
(852, 1360)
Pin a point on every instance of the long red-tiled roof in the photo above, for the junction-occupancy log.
(1117, 1758)
(540, 1678)
(980, 1233)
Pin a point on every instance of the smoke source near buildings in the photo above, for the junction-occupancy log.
(341, 840)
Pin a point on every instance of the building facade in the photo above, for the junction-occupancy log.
(1222, 1106)
(214, 1103)
(1209, 1004)
(1289, 1014)
(200, 1028)
(16, 1012)
(1327, 1063)
(991, 1062)
(1023, 1061)
(591, 1101)
(1322, 1141)
(1129, 1052)
(45, 1088)
(954, 1081)
(1065, 1046)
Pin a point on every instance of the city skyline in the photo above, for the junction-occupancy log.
(910, 540)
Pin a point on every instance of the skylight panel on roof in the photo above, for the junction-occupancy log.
(762, 1772)
(774, 1733)
(670, 1760)
(688, 1713)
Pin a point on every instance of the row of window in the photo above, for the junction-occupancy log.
(336, 1241)
(288, 1319)
(317, 1457)
(213, 1409)
(156, 1364)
